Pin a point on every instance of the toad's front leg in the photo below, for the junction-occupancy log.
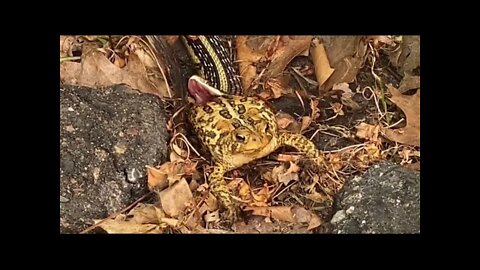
(304, 145)
(219, 189)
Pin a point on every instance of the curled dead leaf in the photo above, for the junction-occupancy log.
(67, 45)
(169, 172)
(347, 95)
(337, 108)
(95, 70)
(130, 227)
(261, 197)
(346, 55)
(280, 174)
(144, 213)
(410, 105)
(284, 120)
(288, 47)
(283, 213)
(368, 132)
(288, 157)
(409, 82)
(323, 71)
(258, 210)
(176, 198)
(306, 121)
(157, 179)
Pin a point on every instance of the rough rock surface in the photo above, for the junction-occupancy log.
(104, 134)
(386, 199)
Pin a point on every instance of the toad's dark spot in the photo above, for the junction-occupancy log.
(207, 109)
(236, 124)
(225, 114)
(241, 109)
(211, 134)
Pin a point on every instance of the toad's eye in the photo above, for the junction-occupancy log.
(240, 138)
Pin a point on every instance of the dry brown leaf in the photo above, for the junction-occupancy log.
(343, 86)
(306, 121)
(156, 178)
(66, 45)
(176, 198)
(335, 160)
(258, 210)
(340, 47)
(256, 224)
(315, 110)
(172, 222)
(345, 71)
(281, 175)
(275, 86)
(95, 70)
(250, 49)
(286, 176)
(347, 95)
(368, 132)
(119, 61)
(283, 213)
(410, 105)
(370, 153)
(409, 82)
(346, 55)
(261, 197)
(284, 120)
(315, 221)
(235, 183)
(293, 168)
(203, 209)
(277, 51)
(378, 41)
(323, 71)
(301, 215)
(114, 226)
(212, 217)
(245, 191)
(337, 108)
(317, 197)
(211, 203)
(169, 172)
(193, 184)
(412, 60)
(288, 48)
(144, 214)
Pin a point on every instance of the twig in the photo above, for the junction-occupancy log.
(63, 59)
(116, 213)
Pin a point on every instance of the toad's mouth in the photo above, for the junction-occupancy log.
(201, 91)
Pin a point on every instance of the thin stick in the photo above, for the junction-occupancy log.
(116, 213)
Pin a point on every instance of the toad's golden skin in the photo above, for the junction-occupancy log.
(237, 130)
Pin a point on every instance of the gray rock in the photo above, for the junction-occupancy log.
(386, 199)
(104, 134)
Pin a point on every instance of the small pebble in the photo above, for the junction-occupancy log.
(339, 216)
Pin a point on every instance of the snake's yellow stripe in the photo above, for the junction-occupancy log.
(214, 63)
